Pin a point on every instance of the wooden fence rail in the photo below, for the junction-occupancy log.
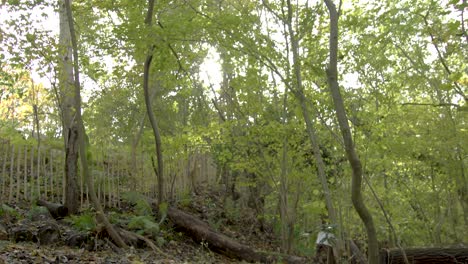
(30, 173)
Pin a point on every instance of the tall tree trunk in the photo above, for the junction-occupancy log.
(149, 109)
(101, 217)
(70, 129)
(311, 132)
(288, 210)
(355, 162)
(35, 103)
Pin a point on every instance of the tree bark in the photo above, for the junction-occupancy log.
(81, 137)
(70, 129)
(35, 103)
(149, 109)
(311, 132)
(356, 195)
(201, 232)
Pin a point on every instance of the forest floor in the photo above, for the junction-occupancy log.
(177, 247)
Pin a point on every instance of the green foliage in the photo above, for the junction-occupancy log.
(163, 207)
(132, 197)
(144, 224)
(403, 74)
(119, 219)
(37, 210)
(160, 241)
(84, 222)
(6, 212)
(185, 199)
(232, 211)
(141, 205)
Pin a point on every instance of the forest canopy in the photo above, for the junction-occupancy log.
(250, 83)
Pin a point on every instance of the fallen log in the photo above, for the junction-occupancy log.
(56, 210)
(425, 255)
(202, 232)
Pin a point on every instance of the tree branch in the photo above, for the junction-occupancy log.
(442, 59)
(433, 105)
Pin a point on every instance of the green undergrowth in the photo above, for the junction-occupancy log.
(35, 211)
(141, 219)
(8, 213)
(84, 222)
(144, 225)
(139, 202)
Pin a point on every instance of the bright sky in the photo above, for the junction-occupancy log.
(210, 70)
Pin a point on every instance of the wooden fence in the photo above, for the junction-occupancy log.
(28, 173)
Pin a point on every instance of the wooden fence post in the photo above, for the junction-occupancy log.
(113, 173)
(5, 150)
(25, 176)
(31, 175)
(117, 180)
(18, 174)
(52, 173)
(38, 176)
(12, 160)
(110, 169)
(81, 188)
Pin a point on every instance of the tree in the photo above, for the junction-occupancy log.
(356, 195)
(81, 134)
(311, 131)
(149, 109)
(271, 124)
(69, 111)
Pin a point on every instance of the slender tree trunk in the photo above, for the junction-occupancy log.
(355, 162)
(311, 132)
(149, 109)
(135, 142)
(283, 195)
(81, 136)
(70, 129)
(288, 210)
(6, 150)
(35, 102)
